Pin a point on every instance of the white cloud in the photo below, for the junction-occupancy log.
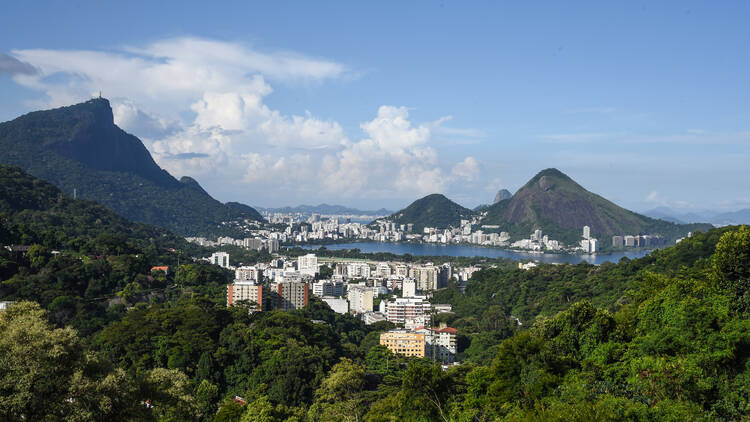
(199, 106)
(467, 169)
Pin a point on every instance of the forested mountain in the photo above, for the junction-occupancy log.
(431, 211)
(80, 148)
(35, 211)
(95, 334)
(553, 202)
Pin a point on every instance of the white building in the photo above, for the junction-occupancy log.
(308, 264)
(358, 270)
(372, 317)
(360, 298)
(586, 232)
(248, 274)
(328, 288)
(383, 270)
(337, 304)
(440, 343)
(399, 310)
(409, 287)
(220, 258)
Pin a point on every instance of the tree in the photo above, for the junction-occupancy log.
(339, 397)
(732, 266)
(170, 395)
(46, 373)
(206, 396)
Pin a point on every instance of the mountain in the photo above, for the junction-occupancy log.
(326, 209)
(681, 217)
(732, 218)
(502, 195)
(35, 211)
(553, 202)
(80, 150)
(431, 211)
(664, 213)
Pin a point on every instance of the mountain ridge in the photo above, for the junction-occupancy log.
(79, 149)
(556, 204)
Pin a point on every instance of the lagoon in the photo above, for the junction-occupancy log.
(426, 249)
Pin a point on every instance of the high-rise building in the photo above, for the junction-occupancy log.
(360, 298)
(383, 270)
(248, 292)
(403, 309)
(221, 259)
(307, 264)
(291, 295)
(586, 232)
(409, 287)
(427, 277)
(328, 288)
(404, 342)
(248, 274)
(618, 241)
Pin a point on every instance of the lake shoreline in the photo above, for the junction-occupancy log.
(426, 249)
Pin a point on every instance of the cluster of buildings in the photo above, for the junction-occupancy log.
(269, 243)
(538, 241)
(638, 241)
(401, 291)
(588, 243)
(424, 342)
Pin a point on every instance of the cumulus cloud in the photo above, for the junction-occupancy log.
(200, 107)
(467, 169)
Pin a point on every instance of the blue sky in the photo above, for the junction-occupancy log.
(376, 104)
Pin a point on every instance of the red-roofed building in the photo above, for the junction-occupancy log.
(440, 342)
(162, 268)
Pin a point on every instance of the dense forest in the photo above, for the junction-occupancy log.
(94, 334)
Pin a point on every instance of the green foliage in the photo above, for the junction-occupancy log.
(664, 337)
(432, 211)
(79, 147)
(732, 266)
(42, 367)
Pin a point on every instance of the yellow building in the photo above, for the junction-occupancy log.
(404, 342)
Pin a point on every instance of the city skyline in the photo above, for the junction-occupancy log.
(278, 106)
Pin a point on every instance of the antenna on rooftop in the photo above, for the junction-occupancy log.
(100, 93)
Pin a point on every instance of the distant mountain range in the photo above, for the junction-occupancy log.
(717, 218)
(550, 201)
(80, 149)
(326, 209)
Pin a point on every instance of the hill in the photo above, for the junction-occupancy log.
(502, 194)
(553, 202)
(35, 211)
(80, 148)
(431, 211)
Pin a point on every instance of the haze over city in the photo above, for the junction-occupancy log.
(374, 105)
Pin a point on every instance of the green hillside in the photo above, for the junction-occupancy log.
(432, 211)
(560, 207)
(80, 148)
(35, 211)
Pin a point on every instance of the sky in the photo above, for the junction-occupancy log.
(375, 104)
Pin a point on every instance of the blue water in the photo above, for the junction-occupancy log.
(471, 251)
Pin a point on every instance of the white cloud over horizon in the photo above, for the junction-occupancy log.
(200, 107)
